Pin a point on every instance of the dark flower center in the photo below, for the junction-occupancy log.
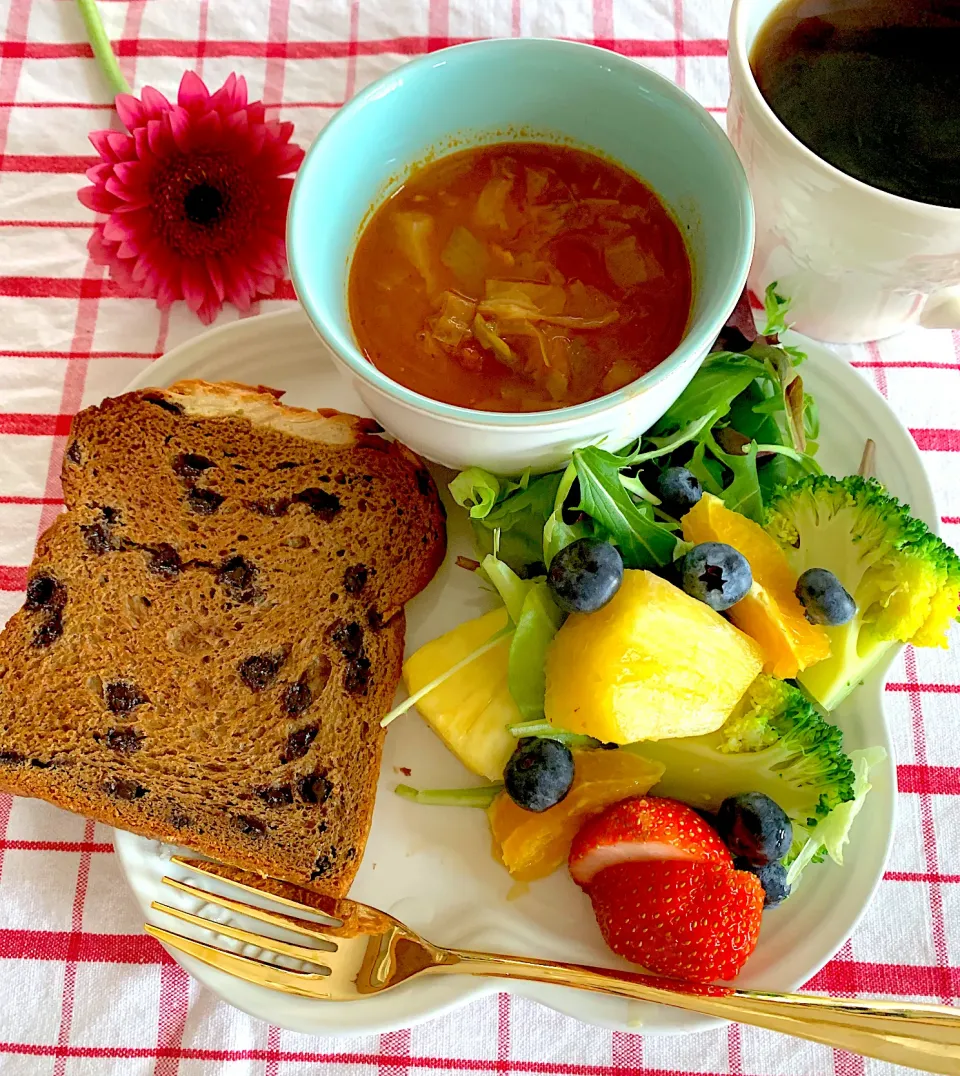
(203, 204)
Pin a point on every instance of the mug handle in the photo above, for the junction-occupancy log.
(942, 309)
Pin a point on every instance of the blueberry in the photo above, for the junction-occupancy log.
(539, 773)
(755, 828)
(773, 878)
(823, 598)
(717, 574)
(585, 575)
(679, 490)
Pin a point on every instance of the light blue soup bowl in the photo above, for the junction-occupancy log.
(519, 90)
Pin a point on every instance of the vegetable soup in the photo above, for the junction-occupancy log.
(519, 277)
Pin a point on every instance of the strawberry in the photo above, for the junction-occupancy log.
(644, 828)
(696, 921)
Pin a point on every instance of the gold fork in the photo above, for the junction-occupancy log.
(366, 951)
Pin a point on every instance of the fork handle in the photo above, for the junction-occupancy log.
(925, 1037)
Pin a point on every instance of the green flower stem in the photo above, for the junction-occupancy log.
(102, 50)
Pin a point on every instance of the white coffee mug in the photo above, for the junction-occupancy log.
(858, 263)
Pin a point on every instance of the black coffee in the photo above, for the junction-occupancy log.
(872, 86)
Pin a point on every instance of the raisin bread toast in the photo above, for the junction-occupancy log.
(215, 626)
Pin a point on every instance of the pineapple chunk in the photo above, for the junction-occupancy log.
(651, 664)
(469, 711)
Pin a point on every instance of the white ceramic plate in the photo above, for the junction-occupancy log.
(431, 867)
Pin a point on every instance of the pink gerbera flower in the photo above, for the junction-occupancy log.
(195, 196)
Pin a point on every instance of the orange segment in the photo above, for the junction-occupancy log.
(532, 845)
(770, 613)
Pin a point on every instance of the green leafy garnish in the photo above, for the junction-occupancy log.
(476, 490)
(557, 533)
(509, 514)
(775, 307)
(526, 676)
(545, 731)
(721, 378)
(643, 543)
(744, 426)
(743, 493)
(536, 619)
(481, 796)
(412, 700)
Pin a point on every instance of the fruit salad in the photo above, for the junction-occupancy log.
(650, 702)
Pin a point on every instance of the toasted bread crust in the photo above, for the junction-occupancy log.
(215, 626)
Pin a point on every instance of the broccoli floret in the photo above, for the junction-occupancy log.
(833, 833)
(904, 579)
(774, 742)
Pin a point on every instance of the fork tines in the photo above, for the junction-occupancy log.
(250, 968)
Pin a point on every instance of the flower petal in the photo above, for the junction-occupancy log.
(130, 110)
(101, 143)
(141, 139)
(216, 277)
(166, 294)
(133, 175)
(225, 99)
(135, 226)
(99, 173)
(159, 138)
(132, 198)
(121, 145)
(154, 103)
(266, 285)
(180, 129)
(240, 92)
(193, 94)
(239, 285)
(197, 289)
(97, 199)
(206, 130)
(100, 252)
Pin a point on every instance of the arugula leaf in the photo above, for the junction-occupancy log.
(790, 390)
(643, 543)
(806, 462)
(754, 414)
(775, 308)
(632, 484)
(557, 534)
(743, 493)
(526, 669)
(721, 378)
(664, 446)
(709, 472)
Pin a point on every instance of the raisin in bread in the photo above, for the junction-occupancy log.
(215, 626)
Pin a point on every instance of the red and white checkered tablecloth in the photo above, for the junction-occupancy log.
(83, 992)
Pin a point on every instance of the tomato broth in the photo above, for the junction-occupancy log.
(519, 277)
